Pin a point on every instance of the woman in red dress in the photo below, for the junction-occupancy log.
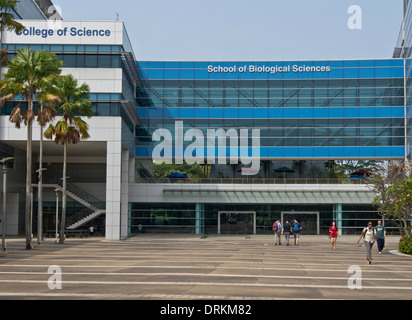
(333, 230)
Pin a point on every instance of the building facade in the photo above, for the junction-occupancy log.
(231, 126)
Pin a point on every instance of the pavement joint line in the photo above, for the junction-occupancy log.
(144, 295)
(217, 284)
(201, 275)
(365, 269)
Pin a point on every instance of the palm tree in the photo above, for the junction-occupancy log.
(70, 128)
(44, 115)
(27, 74)
(7, 23)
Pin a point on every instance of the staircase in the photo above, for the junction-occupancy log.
(94, 207)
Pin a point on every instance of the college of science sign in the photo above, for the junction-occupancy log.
(268, 69)
(67, 32)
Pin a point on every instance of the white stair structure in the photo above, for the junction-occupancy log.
(94, 207)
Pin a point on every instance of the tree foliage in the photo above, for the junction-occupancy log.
(392, 184)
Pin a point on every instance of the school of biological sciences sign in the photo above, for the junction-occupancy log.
(252, 68)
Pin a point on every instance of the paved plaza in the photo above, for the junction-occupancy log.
(179, 267)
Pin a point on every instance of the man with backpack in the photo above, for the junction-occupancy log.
(277, 228)
(286, 231)
(297, 227)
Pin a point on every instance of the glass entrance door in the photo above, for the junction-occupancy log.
(237, 222)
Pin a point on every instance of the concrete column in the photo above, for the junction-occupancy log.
(114, 183)
(124, 214)
(337, 216)
(200, 214)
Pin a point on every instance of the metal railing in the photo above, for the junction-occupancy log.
(251, 181)
(96, 203)
(78, 216)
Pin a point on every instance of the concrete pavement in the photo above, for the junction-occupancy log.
(188, 267)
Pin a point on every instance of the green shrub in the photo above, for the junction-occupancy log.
(405, 245)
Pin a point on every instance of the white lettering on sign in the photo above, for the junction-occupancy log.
(267, 69)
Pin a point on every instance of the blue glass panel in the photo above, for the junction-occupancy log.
(143, 64)
(383, 152)
(156, 64)
(397, 72)
(155, 73)
(351, 112)
(171, 64)
(336, 152)
(366, 72)
(351, 73)
(291, 152)
(336, 73)
(352, 152)
(201, 113)
(367, 112)
(186, 113)
(276, 113)
(321, 112)
(396, 62)
(335, 63)
(291, 113)
(90, 48)
(398, 152)
(350, 63)
(187, 74)
(306, 152)
(264, 152)
(336, 112)
(384, 112)
(397, 112)
(275, 152)
(56, 47)
(156, 113)
(104, 48)
(261, 113)
(201, 64)
(172, 113)
(142, 112)
(366, 63)
(306, 112)
(368, 152)
(382, 72)
(143, 151)
(71, 48)
(216, 113)
(245, 113)
(171, 73)
(321, 152)
(186, 65)
(383, 63)
(231, 113)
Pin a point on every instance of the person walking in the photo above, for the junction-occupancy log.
(286, 231)
(277, 229)
(333, 231)
(297, 228)
(380, 236)
(369, 235)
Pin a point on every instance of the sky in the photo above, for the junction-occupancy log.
(248, 30)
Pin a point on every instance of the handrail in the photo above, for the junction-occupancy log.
(250, 181)
(78, 216)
